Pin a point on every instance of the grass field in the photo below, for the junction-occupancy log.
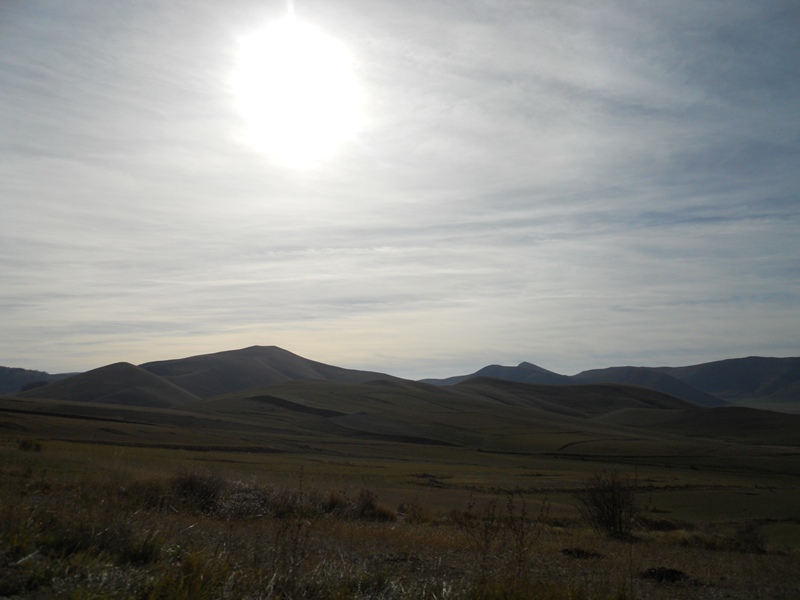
(275, 495)
(83, 520)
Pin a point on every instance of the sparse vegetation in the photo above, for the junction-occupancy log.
(252, 498)
(200, 534)
(609, 502)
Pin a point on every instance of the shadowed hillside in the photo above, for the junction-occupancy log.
(772, 383)
(482, 414)
(120, 383)
(638, 376)
(649, 378)
(734, 423)
(580, 400)
(210, 375)
(753, 380)
(485, 413)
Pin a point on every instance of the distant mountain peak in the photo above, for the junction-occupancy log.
(220, 373)
(528, 366)
(524, 372)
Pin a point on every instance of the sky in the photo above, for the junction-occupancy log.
(571, 183)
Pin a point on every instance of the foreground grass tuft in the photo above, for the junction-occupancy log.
(202, 535)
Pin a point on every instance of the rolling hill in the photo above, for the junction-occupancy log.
(119, 383)
(210, 375)
(582, 400)
(652, 379)
(769, 383)
(638, 376)
(391, 417)
(734, 423)
(772, 383)
(489, 414)
(265, 399)
(590, 394)
(754, 380)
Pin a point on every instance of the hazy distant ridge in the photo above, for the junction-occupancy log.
(12, 379)
(772, 383)
(756, 381)
(525, 372)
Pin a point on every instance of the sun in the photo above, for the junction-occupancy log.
(297, 88)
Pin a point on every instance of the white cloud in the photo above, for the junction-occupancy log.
(573, 184)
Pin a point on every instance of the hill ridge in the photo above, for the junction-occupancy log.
(763, 381)
(116, 383)
(757, 381)
(214, 374)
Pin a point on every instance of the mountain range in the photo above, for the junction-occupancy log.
(266, 399)
(771, 383)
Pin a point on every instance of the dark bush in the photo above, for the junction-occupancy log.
(608, 502)
(200, 491)
(367, 508)
(337, 503)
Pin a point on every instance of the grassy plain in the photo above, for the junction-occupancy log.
(434, 494)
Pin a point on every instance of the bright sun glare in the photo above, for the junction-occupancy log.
(296, 87)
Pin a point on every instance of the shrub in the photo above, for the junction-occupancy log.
(413, 512)
(367, 508)
(608, 502)
(151, 493)
(749, 538)
(337, 503)
(139, 550)
(482, 532)
(198, 490)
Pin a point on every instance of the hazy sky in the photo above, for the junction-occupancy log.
(577, 184)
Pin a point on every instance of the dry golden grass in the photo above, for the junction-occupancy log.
(83, 529)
